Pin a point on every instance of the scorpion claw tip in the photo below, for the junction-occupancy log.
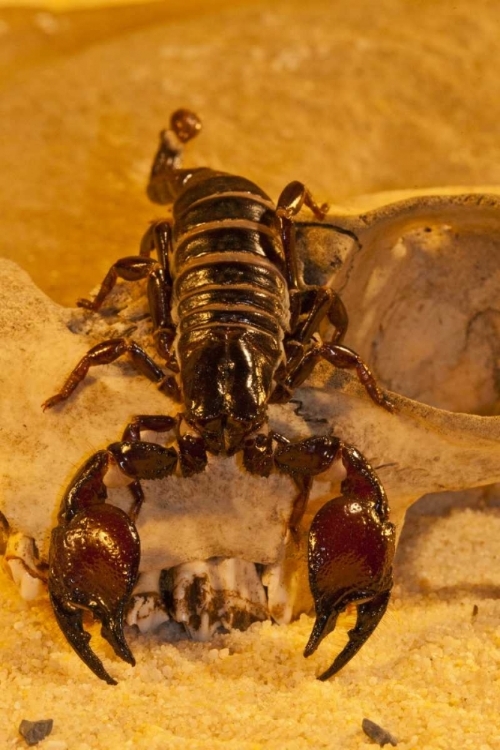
(113, 633)
(369, 614)
(323, 625)
(70, 622)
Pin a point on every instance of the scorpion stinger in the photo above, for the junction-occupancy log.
(237, 329)
(167, 177)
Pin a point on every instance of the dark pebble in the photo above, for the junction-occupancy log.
(35, 731)
(378, 734)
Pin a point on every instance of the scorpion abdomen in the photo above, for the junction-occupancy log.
(230, 301)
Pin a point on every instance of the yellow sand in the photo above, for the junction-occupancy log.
(430, 675)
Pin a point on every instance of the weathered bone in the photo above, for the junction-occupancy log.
(421, 286)
(219, 593)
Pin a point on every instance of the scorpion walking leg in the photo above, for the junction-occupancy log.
(346, 359)
(309, 307)
(291, 200)
(351, 548)
(159, 237)
(294, 196)
(132, 268)
(95, 549)
(104, 354)
(300, 365)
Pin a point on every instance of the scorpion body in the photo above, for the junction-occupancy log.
(230, 305)
(237, 329)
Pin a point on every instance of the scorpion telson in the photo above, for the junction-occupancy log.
(237, 329)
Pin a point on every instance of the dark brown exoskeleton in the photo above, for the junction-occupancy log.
(237, 329)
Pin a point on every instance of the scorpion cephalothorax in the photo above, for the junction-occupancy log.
(237, 329)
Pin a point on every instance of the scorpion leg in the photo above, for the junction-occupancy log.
(159, 237)
(95, 550)
(344, 358)
(301, 362)
(294, 196)
(132, 268)
(291, 200)
(309, 307)
(104, 354)
(351, 548)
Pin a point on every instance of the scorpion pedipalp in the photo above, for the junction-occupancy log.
(95, 549)
(351, 548)
(94, 566)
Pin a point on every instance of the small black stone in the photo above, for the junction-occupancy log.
(35, 731)
(378, 734)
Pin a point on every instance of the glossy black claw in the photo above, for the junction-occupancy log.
(351, 548)
(70, 620)
(94, 564)
(369, 615)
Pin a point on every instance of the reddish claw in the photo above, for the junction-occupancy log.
(95, 549)
(351, 548)
(94, 565)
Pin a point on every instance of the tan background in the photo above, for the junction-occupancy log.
(351, 97)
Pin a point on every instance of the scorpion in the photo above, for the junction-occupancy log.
(237, 329)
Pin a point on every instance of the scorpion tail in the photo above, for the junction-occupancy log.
(94, 563)
(351, 548)
(166, 171)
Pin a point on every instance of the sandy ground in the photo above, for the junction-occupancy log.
(429, 675)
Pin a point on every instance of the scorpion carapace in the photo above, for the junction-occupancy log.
(237, 329)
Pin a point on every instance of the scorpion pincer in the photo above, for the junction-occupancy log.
(237, 329)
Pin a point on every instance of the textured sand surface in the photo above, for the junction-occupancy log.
(429, 675)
